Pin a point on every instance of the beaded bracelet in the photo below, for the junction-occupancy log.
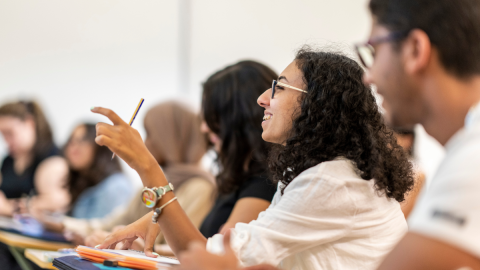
(158, 211)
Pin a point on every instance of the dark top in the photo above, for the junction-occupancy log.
(256, 187)
(14, 185)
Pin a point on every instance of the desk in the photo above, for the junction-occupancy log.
(36, 256)
(18, 243)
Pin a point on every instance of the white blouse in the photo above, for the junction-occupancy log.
(327, 218)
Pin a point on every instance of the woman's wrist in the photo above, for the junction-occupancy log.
(151, 174)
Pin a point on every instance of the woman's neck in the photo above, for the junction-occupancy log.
(21, 162)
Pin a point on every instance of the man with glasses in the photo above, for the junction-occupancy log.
(424, 58)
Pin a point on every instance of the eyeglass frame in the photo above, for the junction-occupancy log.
(275, 83)
(394, 36)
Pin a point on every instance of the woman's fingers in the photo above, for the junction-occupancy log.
(116, 120)
(226, 243)
(150, 237)
(112, 240)
(131, 232)
(127, 243)
(103, 140)
(261, 267)
(105, 129)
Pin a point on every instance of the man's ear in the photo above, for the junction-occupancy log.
(416, 51)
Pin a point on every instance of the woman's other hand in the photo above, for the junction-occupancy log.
(142, 228)
(75, 238)
(6, 205)
(197, 257)
(261, 267)
(96, 238)
(123, 140)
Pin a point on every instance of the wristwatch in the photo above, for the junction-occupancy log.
(150, 196)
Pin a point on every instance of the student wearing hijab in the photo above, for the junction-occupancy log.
(174, 138)
(340, 174)
(33, 166)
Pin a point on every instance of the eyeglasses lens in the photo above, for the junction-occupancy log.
(366, 53)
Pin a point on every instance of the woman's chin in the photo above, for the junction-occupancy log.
(265, 136)
(268, 138)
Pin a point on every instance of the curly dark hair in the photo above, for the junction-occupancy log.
(339, 117)
(230, 110)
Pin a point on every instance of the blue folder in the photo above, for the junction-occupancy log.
(77, 263)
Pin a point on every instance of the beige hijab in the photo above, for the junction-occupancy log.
(175, 140)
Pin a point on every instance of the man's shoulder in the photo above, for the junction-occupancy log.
(462, 155)
(449, 210)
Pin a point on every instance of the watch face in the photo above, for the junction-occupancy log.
(149, 198)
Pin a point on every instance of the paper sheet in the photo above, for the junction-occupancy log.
(141, 255)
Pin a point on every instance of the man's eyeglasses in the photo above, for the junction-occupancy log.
(366, 51)
(280, 84)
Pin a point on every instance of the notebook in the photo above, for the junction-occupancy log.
(126, 258)
(76, 263)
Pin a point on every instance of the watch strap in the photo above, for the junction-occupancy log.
(163, 190)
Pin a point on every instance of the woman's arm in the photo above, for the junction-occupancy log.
(127, 143)
(411, 197)
(196, 196)
(51, 184)
(6, 205)
(245, 210)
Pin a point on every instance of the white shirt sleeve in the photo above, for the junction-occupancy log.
(314, 209)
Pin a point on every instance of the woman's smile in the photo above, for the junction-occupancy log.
(267, 116)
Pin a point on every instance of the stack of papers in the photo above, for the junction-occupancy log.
(126, 258)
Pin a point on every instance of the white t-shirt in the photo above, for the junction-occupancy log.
(327, 218)
(449, 210)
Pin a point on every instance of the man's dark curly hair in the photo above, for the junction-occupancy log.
(339, 117)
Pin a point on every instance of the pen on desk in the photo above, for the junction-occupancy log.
(133, 117)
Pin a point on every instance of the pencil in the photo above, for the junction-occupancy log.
(133, 117)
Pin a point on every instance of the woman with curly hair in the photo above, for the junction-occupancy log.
(340, 173)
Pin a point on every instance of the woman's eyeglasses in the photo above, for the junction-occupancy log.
(366, 51)
(275, 83)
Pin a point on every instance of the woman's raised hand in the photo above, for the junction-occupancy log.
(123, 140)
(142, 228)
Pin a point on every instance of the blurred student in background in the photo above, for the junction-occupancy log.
(33, 166)
(231, 123)
(95, 181)
(175, 140)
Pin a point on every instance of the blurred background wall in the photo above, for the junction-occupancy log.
(71, 55)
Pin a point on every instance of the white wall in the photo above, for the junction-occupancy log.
(71, 55)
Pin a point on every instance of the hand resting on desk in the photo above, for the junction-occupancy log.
(142, 228)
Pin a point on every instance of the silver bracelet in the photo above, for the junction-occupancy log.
(158, 211)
